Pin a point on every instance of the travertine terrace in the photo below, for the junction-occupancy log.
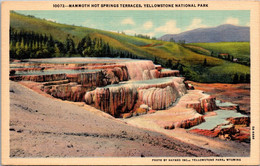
(138, 92)
(122, 88)
(115, 86)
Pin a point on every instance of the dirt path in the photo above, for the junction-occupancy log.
(46, 127)
(156, 121)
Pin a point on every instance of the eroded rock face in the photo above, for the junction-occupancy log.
(140, 111)
(209, 104)
(158, 98)
(186, 124)
(39, 78)
(71, 91)
(119, 99)
(93, 86)
(228, 133)
(141, 70)
(208, 133)
(93, 79)
(204, 105)
(121, 73)
(240, 121)
(169, 73)
(100, 78)
(114, 100)
(80, 83)
(190, 122)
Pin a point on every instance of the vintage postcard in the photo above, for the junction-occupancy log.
(130, 82)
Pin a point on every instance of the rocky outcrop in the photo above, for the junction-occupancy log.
(118, 99)
(83, 82)
(126, 115)
(204, 105)
(226, 133)
(209, 104)
(189, 86)
(140, 111)
(39, 78)
(208, 133)
(89, 79)
(186, 124)
(141, 70)
(169, 73)
(240, 121)
(155, 73)
(158, 98)
(113, 100)
(232, 107)
(116, 75)
(29, 69)
(190, 122)
(71, 91)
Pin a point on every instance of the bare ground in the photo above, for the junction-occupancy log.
(235, 93)
(44, 127)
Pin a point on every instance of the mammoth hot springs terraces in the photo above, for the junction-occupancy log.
(120, 107)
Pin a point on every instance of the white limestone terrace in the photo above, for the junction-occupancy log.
(137, 69)
(78, 60)
(50, 72)
(156, 81)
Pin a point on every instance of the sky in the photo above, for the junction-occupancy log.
(154, 23)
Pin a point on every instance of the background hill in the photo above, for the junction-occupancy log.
(194, 66)
(222, 33)
(236, 50)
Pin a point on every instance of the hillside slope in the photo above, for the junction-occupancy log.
(168, 54)
(239, 50)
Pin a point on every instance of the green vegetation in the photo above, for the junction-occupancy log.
(24, 44)
(59, 40)
(236, 50)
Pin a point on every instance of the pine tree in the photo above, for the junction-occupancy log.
(235, 78)
(247, 78)
(205, 62)
(241, 78)
(181, 69)
(80, 46)
(22, 44)
(155, 60)
(169, 63)
(70, 46)
(177, 65)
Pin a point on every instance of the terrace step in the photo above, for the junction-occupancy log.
(56, 82)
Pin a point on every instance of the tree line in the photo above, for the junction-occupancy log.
(29, 44)
(196, 72)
